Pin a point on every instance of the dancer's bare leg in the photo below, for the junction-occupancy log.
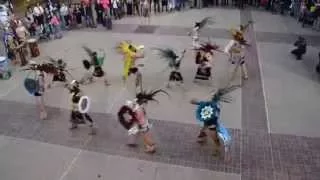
(202, 137)
(41, 105)
(138, 82)
(49, 80)
(244, 71)
(234, 73)
(214, 136)
(148, 142)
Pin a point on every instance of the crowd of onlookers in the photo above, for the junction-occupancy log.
(46, 20)
(305, 11)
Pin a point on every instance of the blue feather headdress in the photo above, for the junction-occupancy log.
(210, 110)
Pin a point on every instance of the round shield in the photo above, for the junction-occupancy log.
(84, 104)
(31, 85)
(208, 111)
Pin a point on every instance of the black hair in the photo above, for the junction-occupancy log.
(144, 96)
(132, 48)
(86, 64)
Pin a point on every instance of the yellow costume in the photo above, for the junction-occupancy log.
(129, 52)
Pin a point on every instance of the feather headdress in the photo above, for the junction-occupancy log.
(58, 63)
(244, 27)
(208, 47)
(127, 46)
(204, 22)
(89, 51)
(45, 67)
(146, 96)
(221, 95)
(238, 36)
(169, 55)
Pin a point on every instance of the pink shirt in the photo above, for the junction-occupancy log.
(105, 3)
(140, 115)
(55, 21)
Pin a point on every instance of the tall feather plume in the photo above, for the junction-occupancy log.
(45, 67)
(244, 27)
(222, 94)
(169, 55)
(88, 50)
(145, 96)
(207, 47)
(205, 21)
(123, 47)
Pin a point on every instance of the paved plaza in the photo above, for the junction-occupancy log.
(274, 118)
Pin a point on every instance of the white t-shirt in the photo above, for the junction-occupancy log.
(115, 4)
(64, 11)
(36, 11)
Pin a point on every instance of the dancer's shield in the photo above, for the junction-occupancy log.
(31, 85)
(84, 104)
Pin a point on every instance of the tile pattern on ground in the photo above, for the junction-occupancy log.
(257, 160)
(253, 103)
(176, 142)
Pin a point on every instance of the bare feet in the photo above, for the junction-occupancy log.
(150, 149)
(43, 115)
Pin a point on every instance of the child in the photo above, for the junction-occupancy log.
(56, 27)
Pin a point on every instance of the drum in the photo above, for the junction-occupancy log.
(34, 49)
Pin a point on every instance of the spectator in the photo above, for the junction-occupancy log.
(129, 7)
(164, 3)
(56, 27)
(115, 9)
(318, 66)
(89, 14)
(136, 4)
(156, 6)
(99, 11)
(78, 15)
(38, 13)
(64, 12)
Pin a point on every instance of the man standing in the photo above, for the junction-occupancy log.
(156, 6)
(318, 66)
